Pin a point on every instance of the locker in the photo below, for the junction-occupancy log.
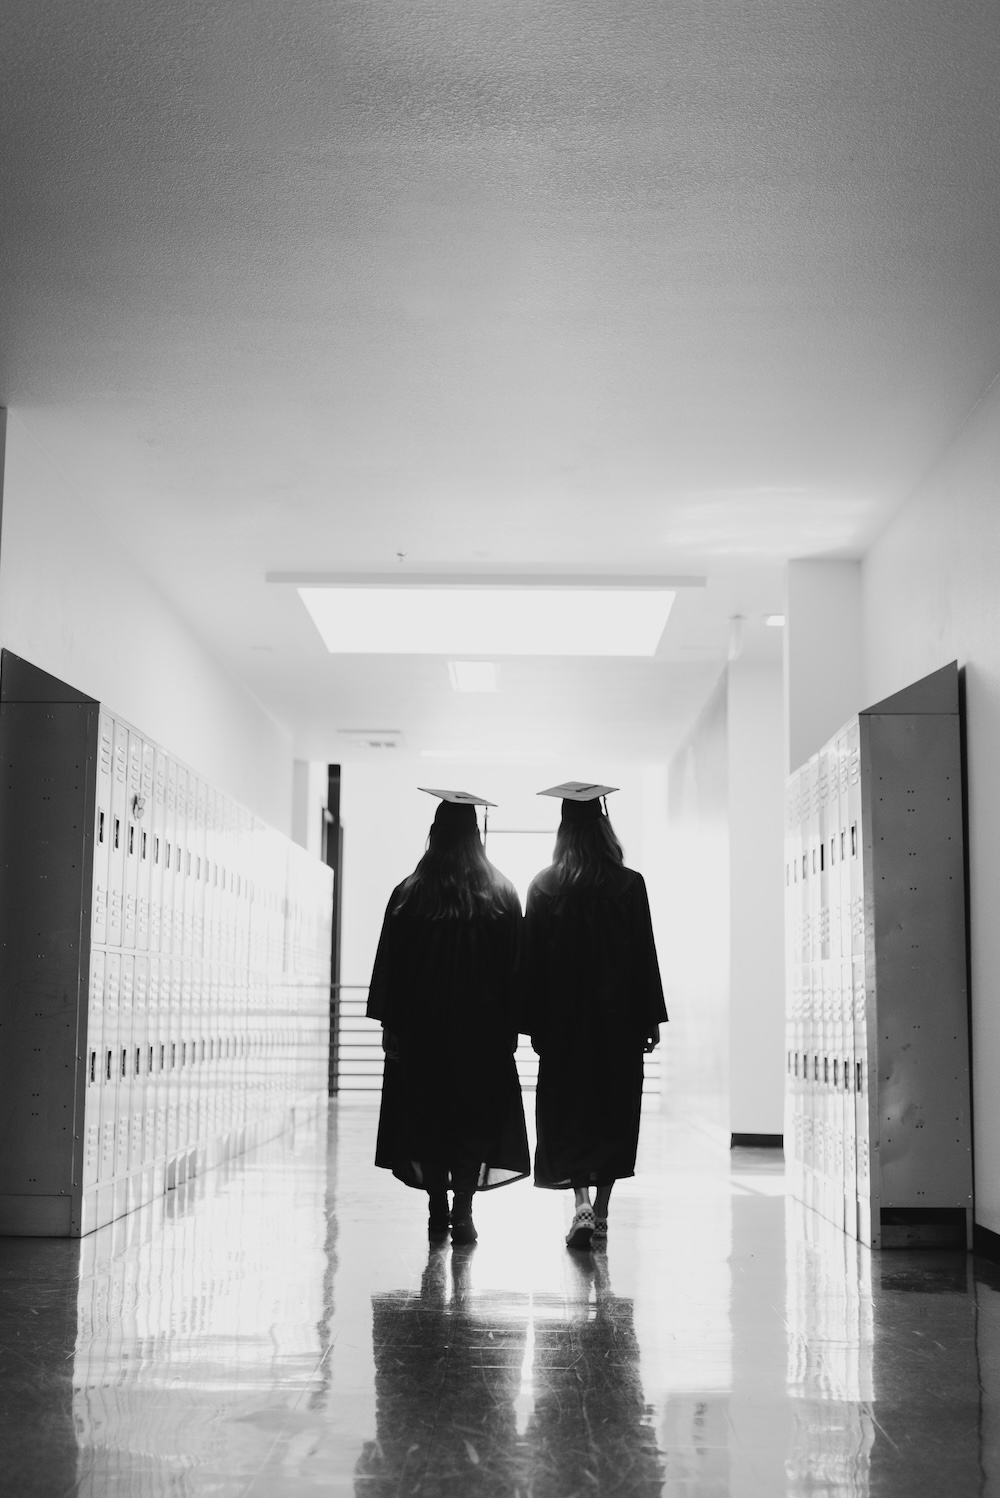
(169, 854)
(133, 791)
(157, 849)
(171, 974)
(194, 941)
(878, 1108)
(200, 867)
(123, 1067)
(109, 1102)
(116, 835)
(102, 826)
(94, 1069)
(143, 816)
(138, 1066)
(183, 914)
(159, 1036)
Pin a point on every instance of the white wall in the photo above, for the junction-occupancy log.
(824, 653)
(698, 914)
(76, 603)
(931, 588)
(756, 752)
(310, 790)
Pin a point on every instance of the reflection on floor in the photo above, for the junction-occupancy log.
(281, 1327)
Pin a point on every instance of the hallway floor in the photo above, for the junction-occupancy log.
(280, 1328)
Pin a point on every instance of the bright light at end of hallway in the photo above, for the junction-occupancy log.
(489, 621)
(472, 676)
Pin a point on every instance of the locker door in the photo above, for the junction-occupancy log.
(180, 850)
(168, 886)
(157, 849)
(218, 875)
(138, 1055)
(133, 790)
(843, 867)
(94, 1073)
(185, 850)
(864, 1032)
(110, 1094)
(211, 872)
(184, 1124)
(123, 1068)
(102, 828)
(820, 878)
(144, 821)
(192, 1009)
(116, 848)
(171, 972)
(793, 897)
(200, 867)
(157, 1010)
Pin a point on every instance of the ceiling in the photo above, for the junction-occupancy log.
(598, 286)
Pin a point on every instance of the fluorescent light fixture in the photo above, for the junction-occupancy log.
(472, 676)
(373, 738)
(489, 621)
(491, 756)
(776, 621)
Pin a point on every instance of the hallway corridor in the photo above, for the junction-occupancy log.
(279, 1327)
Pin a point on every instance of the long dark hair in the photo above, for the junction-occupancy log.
(586, 846)
(455, 879)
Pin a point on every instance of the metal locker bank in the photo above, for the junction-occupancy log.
(164, 966)
(877, 1101)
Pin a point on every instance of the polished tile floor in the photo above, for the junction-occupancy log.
(280, 1328)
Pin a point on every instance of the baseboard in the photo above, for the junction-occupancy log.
(762, 1142)
(986, 1243)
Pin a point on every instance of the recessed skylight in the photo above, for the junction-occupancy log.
(489, 621)
(472, 676)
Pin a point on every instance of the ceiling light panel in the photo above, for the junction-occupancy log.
(489, 621)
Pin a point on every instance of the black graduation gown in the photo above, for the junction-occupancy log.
(592, 997)
(451, 1115)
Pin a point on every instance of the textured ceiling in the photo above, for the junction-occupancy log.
(603, 286)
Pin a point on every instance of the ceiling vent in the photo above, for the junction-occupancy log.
(372, 738)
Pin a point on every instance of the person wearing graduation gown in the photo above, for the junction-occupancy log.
(443, 988)
(592, 1002)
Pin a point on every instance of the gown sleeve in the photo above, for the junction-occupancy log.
(380, 988)
(646, 973)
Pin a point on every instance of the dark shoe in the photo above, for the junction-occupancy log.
(463, 1229)
(438, 1216)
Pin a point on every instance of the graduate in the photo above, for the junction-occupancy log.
(592, 1004)
(443, 988)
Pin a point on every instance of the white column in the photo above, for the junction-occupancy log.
(756, 881)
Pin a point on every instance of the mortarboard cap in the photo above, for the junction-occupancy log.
(578, 790)
(457, 798)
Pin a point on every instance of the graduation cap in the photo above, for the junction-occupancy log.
(449, 814)
(459, 798)
(580, 798)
